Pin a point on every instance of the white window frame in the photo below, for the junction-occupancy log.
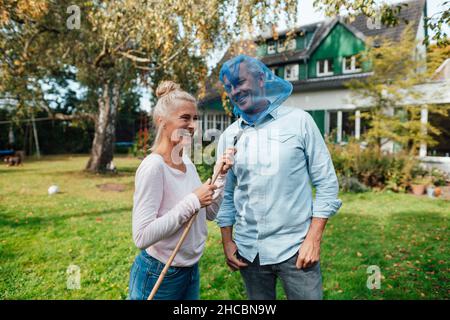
(204, 122)
(271, 48)
(281, 46)
(353, 68)
(293, 72)
(210, 121)
(218, 123)
(326, 66)
(292, 45)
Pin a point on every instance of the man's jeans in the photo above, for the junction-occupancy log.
(180, 283)
(298, 284)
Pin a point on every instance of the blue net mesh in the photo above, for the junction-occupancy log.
(253, 89)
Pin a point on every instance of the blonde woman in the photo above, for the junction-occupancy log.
(168, 191)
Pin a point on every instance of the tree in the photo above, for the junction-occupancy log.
(387, 97)
(436, 55)
(112, 46)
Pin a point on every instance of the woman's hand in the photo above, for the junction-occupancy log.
(205, 193)
(227, 159)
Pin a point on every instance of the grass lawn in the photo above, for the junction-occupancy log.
(41, 235)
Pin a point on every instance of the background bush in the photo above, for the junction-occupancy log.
(372, 168)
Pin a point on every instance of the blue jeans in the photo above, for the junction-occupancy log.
(299, 284)
(180, 283)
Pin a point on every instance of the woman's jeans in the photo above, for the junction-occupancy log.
(180, 283)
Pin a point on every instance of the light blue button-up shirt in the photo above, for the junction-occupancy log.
(268, 194)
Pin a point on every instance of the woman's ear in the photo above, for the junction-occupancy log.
(161, 122)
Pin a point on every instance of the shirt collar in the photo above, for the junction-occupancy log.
(272, 115)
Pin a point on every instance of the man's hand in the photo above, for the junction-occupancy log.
(227, 159)
(309, 252)
(230, 250)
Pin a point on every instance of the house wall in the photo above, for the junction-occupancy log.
(301, 41)
(340, 42)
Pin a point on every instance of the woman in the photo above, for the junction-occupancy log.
(168, 191)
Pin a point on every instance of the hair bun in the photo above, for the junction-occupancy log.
(165, 87)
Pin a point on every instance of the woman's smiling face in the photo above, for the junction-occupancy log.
(181, 122)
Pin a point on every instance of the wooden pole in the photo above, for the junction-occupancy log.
(186, 230)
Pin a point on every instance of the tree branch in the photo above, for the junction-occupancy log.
(102, 54)
(134, 58)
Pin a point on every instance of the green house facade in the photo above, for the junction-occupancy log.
(320, 58)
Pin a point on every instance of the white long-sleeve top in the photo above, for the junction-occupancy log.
(163, 202)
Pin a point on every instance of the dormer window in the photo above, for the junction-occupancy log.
(271, 47)
(291, 72)
(351, 64)
(292, 44)
(324, 67)
(281, 46)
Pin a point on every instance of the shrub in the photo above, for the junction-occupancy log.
(439, 177)
(351, 184)
(372, 167)
(205, 171)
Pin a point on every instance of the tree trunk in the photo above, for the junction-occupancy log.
(102, 151)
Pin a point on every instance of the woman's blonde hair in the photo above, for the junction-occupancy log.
(168, 94)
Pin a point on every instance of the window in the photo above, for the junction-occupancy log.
(225, 122)
(325, 67)
(219, 123)
(200, 122)
(291, 72)
(203, 122)
(277, 71)
(333, 124)
(292, 44)
(442, 148)
(281, 46)
(351, 64)
(271, 47)
(210, 122)
(348, 125)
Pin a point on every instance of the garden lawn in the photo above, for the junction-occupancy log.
(42, 235)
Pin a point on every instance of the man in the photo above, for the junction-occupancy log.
(268, 198)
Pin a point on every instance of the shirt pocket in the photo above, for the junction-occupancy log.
(287, 145)
(284, 137)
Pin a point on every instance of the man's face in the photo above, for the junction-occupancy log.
(246, 90)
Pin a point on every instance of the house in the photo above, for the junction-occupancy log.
(320, 58)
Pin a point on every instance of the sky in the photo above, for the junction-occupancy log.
(307, 14)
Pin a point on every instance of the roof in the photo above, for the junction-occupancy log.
(332, 82)
(443, 72)
(411, 11)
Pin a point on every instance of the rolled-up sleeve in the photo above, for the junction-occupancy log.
(227, 212)
(226, 216)
(321, 171)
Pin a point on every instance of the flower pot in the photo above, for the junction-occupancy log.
(437, 192)
(418, 189)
